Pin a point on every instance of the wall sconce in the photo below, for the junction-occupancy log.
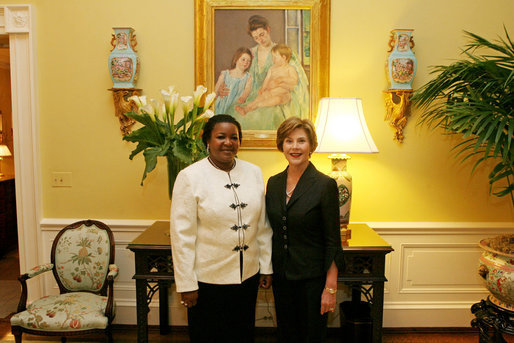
(124, 70)
(401, 69)
(341, 128)
(4, 151)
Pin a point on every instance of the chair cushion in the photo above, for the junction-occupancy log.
(64, 312)
(82, 258)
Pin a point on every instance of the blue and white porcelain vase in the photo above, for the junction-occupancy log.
(401, 64)
(123, 60)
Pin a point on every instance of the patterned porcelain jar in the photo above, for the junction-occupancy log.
(497, 269)
(123, 60)
(401, 63)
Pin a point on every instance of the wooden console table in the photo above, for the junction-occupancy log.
(364, 255)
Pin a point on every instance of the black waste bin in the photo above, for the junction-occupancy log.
(356, 323)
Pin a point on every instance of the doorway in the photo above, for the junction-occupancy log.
(9, 255)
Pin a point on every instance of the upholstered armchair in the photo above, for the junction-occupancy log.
(83, 265)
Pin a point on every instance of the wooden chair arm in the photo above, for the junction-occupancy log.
(22, 305)
(109, 309)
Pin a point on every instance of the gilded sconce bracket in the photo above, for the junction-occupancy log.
(123, 105)
(397, 103)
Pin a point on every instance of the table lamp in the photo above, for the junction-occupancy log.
(341, 128)
(4, 151)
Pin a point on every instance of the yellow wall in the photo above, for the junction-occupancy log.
(418, 180)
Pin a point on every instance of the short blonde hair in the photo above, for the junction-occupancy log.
(293, 123)
(283, 50)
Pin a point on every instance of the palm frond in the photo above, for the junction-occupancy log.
(473, 97)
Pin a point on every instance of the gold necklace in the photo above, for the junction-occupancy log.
(289, 193)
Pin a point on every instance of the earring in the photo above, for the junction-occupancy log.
(208, 149)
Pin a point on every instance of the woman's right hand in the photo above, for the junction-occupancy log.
(189, 299)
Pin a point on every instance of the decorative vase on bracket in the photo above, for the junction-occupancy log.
(123, 60)
(401, 64)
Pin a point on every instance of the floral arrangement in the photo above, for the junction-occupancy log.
(179, 142)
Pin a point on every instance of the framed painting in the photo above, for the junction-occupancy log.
(266, 60)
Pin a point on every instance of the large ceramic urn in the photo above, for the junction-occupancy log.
(497, 269)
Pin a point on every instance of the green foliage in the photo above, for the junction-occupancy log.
(473, 97)
(159, 136)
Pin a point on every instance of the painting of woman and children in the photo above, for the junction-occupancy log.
(261, 67)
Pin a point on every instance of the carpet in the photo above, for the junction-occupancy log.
(10, 292)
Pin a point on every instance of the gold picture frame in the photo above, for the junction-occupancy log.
(218, 24)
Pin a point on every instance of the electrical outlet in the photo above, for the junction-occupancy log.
(61, 179)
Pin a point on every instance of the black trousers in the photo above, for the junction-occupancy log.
(224, 313)
(298, 306)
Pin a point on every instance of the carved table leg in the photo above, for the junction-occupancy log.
(377, 310)
(163, 308)
(142, 311)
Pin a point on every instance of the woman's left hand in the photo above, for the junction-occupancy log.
(328, 302)
(265, 281)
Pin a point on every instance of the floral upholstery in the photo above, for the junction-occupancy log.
(39, 270)
(82, 258)
(65, 312)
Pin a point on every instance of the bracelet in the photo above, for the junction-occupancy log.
(331, 290)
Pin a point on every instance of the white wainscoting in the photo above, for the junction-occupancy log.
(432, 273)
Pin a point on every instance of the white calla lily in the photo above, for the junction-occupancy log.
(176, 140)
(187, 104)
(166, 97)
(149, 109)
(135, 98)
(174, 102)
(209, 99)
(206, 115)
(197, 94)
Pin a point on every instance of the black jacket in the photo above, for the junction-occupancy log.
(306, 236)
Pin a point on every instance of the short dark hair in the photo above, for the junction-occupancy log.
(293, 123)
(219, 118)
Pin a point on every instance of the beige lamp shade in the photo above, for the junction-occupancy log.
(341, 127)
(4, 151)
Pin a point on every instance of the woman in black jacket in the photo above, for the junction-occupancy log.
(303, 209)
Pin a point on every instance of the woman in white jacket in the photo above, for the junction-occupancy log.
(221, 241)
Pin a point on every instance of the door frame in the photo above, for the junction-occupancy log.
(18, 22)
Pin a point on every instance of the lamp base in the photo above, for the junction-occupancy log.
(344, 186)
(346, 233)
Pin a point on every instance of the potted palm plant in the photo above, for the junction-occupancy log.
(473, 98)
